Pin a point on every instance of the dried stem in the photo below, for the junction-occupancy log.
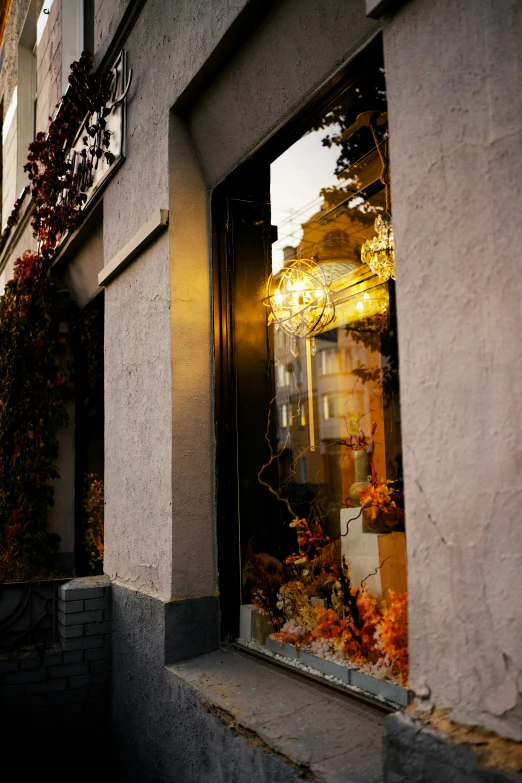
(273, 458)
(373, 573)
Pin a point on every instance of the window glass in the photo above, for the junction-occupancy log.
(324, 572)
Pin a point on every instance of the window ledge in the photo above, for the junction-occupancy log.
(332, 737)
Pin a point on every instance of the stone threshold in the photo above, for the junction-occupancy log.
(323, 736)
(381, 689)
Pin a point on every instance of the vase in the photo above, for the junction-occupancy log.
(385, 519)
(362, 476)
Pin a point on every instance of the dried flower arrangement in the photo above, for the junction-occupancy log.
(356, 628)
(263, 576)
(345, 624)
(394, 634)
(379, 508)
(310, 597)
(379, 497)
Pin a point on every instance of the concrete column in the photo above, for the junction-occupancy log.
(453, 71)
(194, 548)
(138, 425)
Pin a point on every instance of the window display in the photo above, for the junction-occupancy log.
(322, 524)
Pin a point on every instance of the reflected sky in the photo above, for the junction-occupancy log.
(295, 188)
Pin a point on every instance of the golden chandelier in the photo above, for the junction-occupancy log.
(379, 251)
(299, 299)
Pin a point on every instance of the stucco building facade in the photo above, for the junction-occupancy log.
(214, 84)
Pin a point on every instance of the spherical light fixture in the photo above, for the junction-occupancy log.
(299, 299)
(301, 305)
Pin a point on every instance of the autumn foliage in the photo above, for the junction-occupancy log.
(345, 623)
(93, 507)
(394, 633)
(35, 324)
(376, 633)
(34, 388)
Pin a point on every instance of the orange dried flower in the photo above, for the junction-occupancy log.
(329, 626)
(394, 634)
(378, 497)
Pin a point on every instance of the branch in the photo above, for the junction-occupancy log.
(374, 573)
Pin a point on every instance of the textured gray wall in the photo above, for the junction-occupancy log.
(138, 423)
(159, 532)
(81, 273)
(453, 71)
(107, 16)
(163, 733)
(295, 50)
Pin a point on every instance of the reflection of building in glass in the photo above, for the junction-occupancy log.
(347, 368)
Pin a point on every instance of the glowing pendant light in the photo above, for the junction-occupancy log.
(301, 305)
(299, 299)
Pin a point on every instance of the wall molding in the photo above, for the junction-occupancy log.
(139, 241)
(377, 8)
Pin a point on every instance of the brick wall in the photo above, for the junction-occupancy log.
(64, 686)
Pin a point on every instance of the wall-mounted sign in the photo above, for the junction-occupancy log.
(91, 171)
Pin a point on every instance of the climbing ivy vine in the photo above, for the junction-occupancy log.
(37, 322)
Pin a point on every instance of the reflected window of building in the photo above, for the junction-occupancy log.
(329, 362)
